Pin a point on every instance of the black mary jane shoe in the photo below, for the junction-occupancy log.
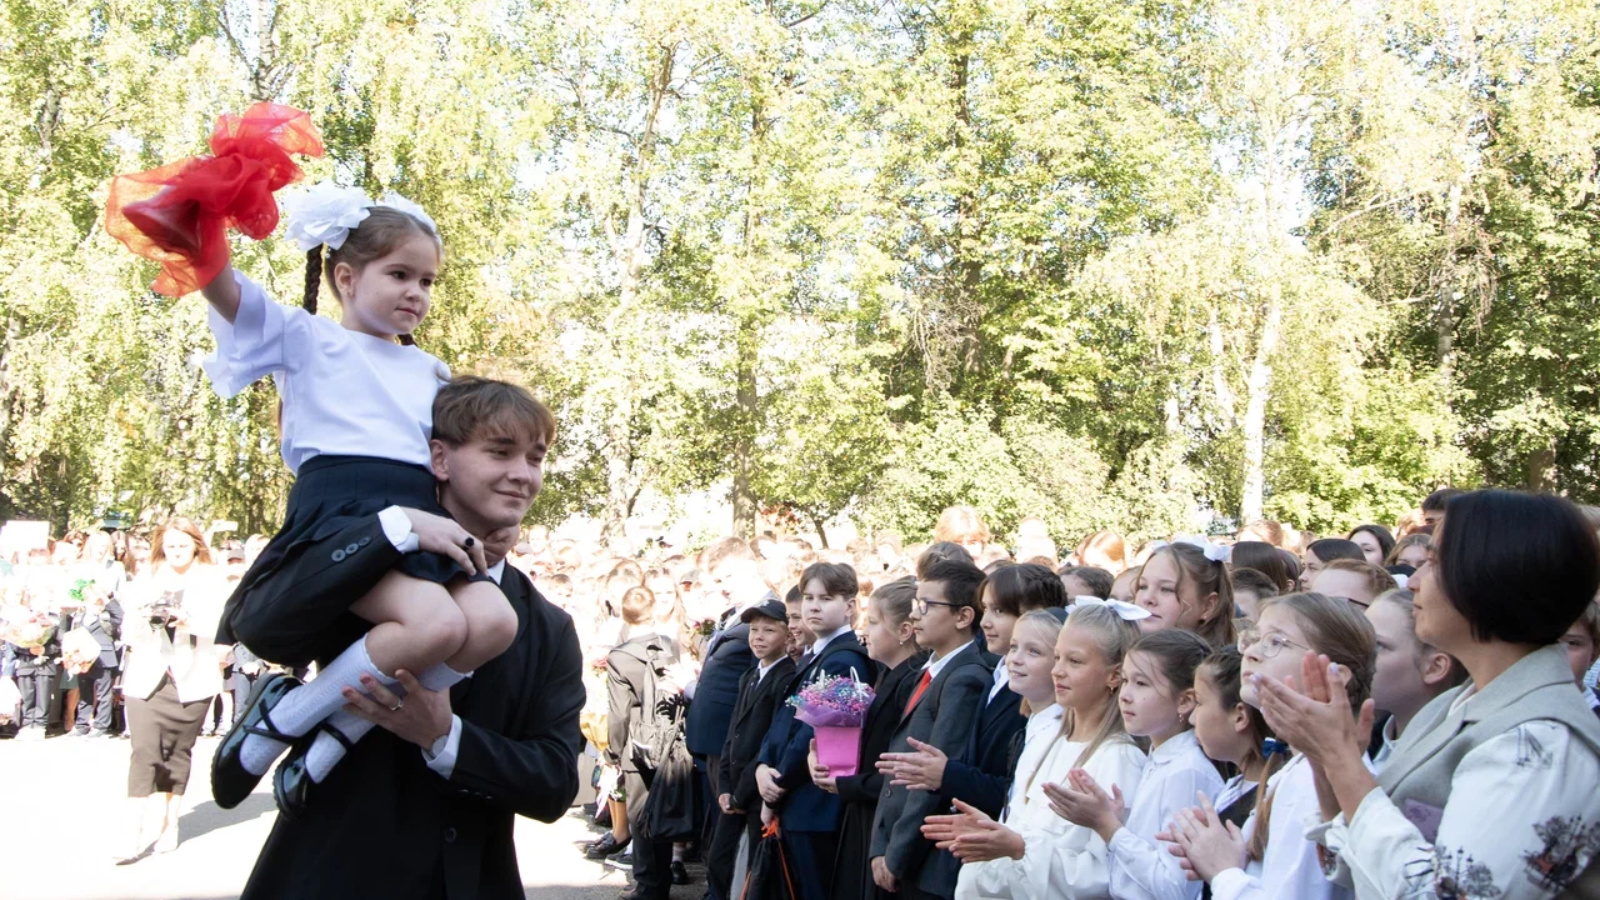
(231, 782)
(680, 873)
(292, 786)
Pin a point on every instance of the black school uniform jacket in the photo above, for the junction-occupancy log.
(384, 825)
(752, 716)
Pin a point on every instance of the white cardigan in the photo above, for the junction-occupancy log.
(190, 654)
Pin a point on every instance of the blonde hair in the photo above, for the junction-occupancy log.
(959, 524)
(1048, 626)
(158, 550)
(1113, 637)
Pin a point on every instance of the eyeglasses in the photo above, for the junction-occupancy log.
(922, 605)
(1271, 645)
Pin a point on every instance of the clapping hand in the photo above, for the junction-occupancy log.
(1206, 845)
(1083, 802)
(971, 835)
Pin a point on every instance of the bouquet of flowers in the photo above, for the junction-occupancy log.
(704, 627)
(31, 630)
(836, 708)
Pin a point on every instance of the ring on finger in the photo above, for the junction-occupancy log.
(399, 704)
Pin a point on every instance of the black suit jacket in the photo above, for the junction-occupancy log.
(728, 657)
(943, 717)
(752, 716)
(385, 825)
(893, 690)
(984, 778)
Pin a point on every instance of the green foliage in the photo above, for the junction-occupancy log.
(1112, 265)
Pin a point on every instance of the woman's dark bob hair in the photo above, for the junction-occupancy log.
(1520, 568)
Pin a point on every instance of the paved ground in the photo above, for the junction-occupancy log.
(66, 815)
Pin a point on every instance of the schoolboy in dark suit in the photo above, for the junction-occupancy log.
(809, 816)
(738, 809)
(948, 698)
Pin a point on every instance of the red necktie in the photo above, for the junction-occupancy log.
(922, 685)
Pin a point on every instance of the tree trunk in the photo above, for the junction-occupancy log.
(744, 498)
(1257, 387)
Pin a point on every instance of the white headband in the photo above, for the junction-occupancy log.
(1214, 552)
(325, 213)
(1124, 610)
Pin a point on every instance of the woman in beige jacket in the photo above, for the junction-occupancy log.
(172, 672)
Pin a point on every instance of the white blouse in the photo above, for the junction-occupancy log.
(1290, 867)
(1041, 731)
(1174, 774)
(1523, 819)
(1060, 859)
(344, 392)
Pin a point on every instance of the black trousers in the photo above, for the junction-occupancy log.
(37, 687)
(722, 853)
(652, 860)
(94, 699)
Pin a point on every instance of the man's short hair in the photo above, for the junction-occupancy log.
(1256, 582)
(724, 549)
(469, 407)
(638, 606)
(961, 580)
(1438, 500)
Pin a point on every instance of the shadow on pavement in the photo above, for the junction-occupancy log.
(208, 816)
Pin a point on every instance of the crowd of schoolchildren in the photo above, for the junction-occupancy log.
(1275, 715)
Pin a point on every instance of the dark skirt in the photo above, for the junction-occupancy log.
(331, 494)
(163, 731)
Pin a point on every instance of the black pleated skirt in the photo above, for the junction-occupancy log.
(331, 494)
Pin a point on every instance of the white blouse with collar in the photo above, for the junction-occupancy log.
(1060, 859)
(344, 392)
(1142, 868)
(1290, 867)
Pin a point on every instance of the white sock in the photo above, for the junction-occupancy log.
(305, 706)
(326, 751)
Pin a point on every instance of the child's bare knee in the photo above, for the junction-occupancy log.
(443, 631)
(498, 628)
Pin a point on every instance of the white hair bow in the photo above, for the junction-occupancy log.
(1124, 610)
(325, 214)
(1214, 552)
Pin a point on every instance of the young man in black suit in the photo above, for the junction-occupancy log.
(948, 699)
(424, 806)
(761, 689)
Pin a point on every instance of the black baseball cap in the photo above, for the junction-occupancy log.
(771, 607)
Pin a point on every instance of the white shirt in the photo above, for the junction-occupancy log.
(1140, 866)
(816, 649)
(934, 666)
(1060, 859)
(1290, 867)
(1002, 677)
(763, 668)
(1041, 731)
(344, 392)
(1536, 777)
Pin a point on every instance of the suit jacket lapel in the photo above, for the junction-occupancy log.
(956, 661)
(516, 586)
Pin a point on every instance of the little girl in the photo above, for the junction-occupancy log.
(1157, 698)
(1036, 853)
(357, 419)
(1271, 856)
(1232, 731)
(1183, 588)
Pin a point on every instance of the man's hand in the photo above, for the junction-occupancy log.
(882, 877)
(446, 537)
(726, 802)
(421, 718)
(767, 784)
(922, 770)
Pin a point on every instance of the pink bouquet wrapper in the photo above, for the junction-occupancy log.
(839, 748)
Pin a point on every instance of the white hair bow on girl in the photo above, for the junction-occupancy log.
(325, 214)
(1124, 610)
(1214, 552)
